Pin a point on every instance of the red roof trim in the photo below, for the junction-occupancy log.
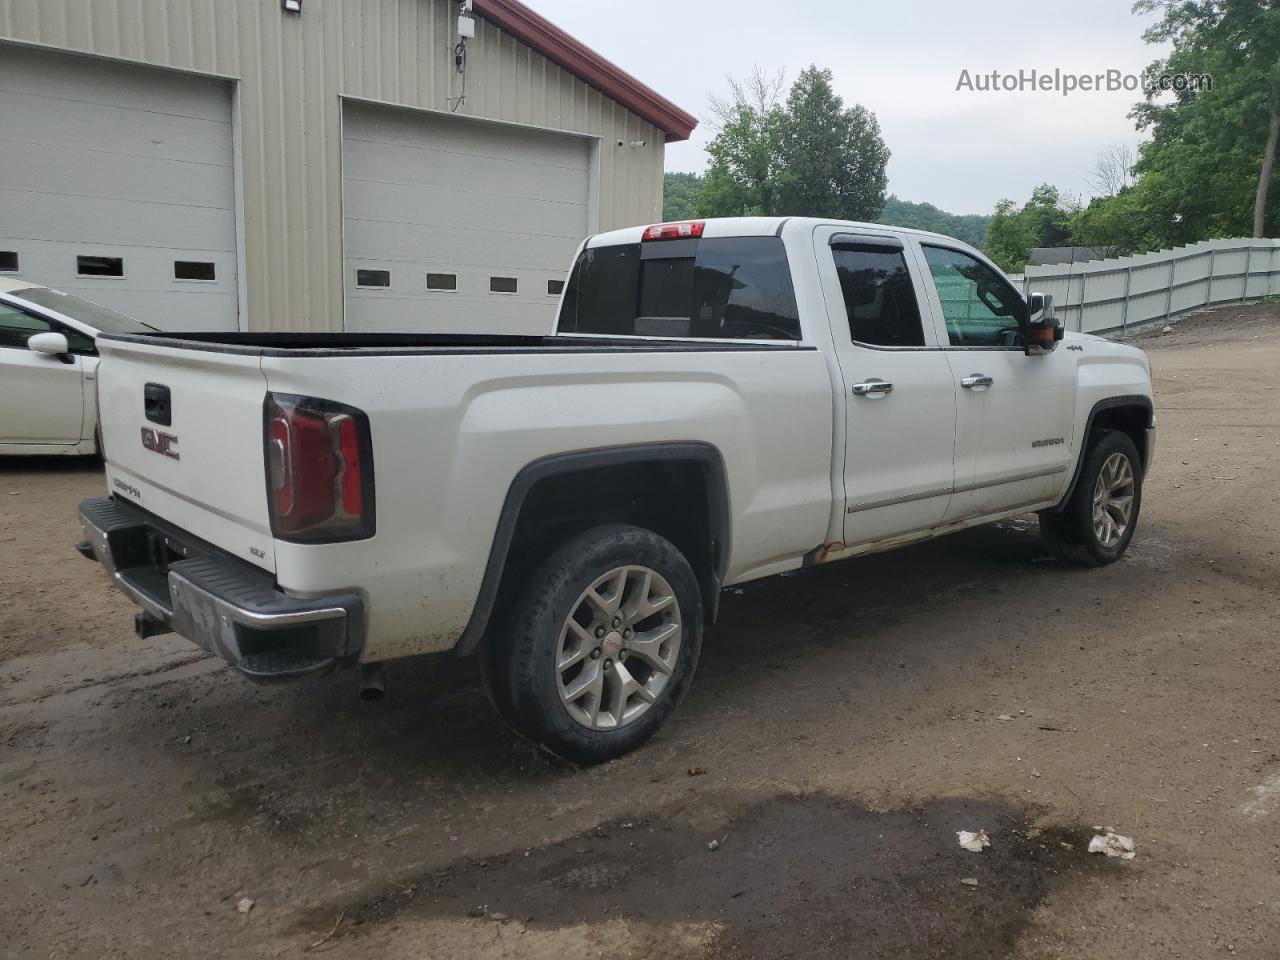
(542, 35)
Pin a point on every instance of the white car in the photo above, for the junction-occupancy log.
(721, 401)
(48, 368)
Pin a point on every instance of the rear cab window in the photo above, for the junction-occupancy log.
(713, 288)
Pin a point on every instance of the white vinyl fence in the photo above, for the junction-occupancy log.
(1101, 296)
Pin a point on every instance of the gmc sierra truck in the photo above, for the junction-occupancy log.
(720, 401)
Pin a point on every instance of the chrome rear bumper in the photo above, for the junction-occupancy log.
(219, 602)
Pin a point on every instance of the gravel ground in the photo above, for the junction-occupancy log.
(804, 802)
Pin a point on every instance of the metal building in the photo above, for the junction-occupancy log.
(315, 165)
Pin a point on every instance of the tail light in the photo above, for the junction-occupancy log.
(319, 470)
(688, 230)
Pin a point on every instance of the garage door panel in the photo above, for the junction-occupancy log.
(45, 168)
(108, 159)
(111, 222)
(75, 125)
(54, 76)
(404, 128)
(395, 203)
(427, 193)
(458, 315)
(146, 268)
(472, 283)
(433, 169)
(431, 247)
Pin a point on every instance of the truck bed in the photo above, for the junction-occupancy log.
(454, 420)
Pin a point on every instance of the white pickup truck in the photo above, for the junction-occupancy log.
(721, 401)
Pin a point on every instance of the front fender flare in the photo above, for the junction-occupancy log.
(1110, 403)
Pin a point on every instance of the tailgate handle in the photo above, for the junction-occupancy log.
(156, 404)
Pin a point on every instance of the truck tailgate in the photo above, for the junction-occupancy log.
(202, 470)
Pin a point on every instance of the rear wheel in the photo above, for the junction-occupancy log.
(602, 645)
(1097, 523)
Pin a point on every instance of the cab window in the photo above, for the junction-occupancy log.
(878, 295)
(730, 288)
(980, 307)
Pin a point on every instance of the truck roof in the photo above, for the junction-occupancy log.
(762, 227)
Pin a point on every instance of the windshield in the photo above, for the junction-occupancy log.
(103, 319)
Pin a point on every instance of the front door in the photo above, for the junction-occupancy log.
(41, 397)
(899, 400)
(1014, 412)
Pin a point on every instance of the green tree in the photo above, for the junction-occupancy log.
(969, 227)
(1009, 237)
(1124, 223)
(680, 195)
(809, 157)
(833, 158)
(1043, 221)
(1215, 148)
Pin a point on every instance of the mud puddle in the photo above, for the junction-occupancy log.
(810, 876)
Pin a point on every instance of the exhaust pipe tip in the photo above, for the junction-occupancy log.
(373, 685)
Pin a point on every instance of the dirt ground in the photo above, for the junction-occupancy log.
(804, 802)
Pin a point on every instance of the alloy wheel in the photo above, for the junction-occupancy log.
(1113, 500)
(618, 648)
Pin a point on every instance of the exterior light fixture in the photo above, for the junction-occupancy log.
(291, 6)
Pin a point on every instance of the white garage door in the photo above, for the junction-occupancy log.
(456, 225)
(117, 184)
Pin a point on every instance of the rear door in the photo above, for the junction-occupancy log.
(182, 430)
(41, 397)
(899, 400)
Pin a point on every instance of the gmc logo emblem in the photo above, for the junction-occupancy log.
(165, 444)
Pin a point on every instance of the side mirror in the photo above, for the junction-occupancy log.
(50, 344)
(1044, 330)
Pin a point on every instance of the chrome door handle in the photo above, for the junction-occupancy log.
(976, 380)
(872, 388)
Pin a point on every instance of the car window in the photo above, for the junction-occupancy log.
(77, 342)
(602, 292)
(731, 288)
(102, 319)
(16, 327)
(878, 296)
(981, 309)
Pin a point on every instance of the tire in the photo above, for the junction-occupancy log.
(616, 676)
(1071, 534)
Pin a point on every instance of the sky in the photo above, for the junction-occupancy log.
(961, 150)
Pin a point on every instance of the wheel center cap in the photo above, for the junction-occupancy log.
(612, 644)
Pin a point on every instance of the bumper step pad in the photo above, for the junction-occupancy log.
(283, 666)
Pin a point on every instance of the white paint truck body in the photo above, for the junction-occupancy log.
(766, 394)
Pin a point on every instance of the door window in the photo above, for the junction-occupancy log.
(981, 309)
(16, 327)
(878, 296)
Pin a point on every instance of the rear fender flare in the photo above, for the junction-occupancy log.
(703, 454)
